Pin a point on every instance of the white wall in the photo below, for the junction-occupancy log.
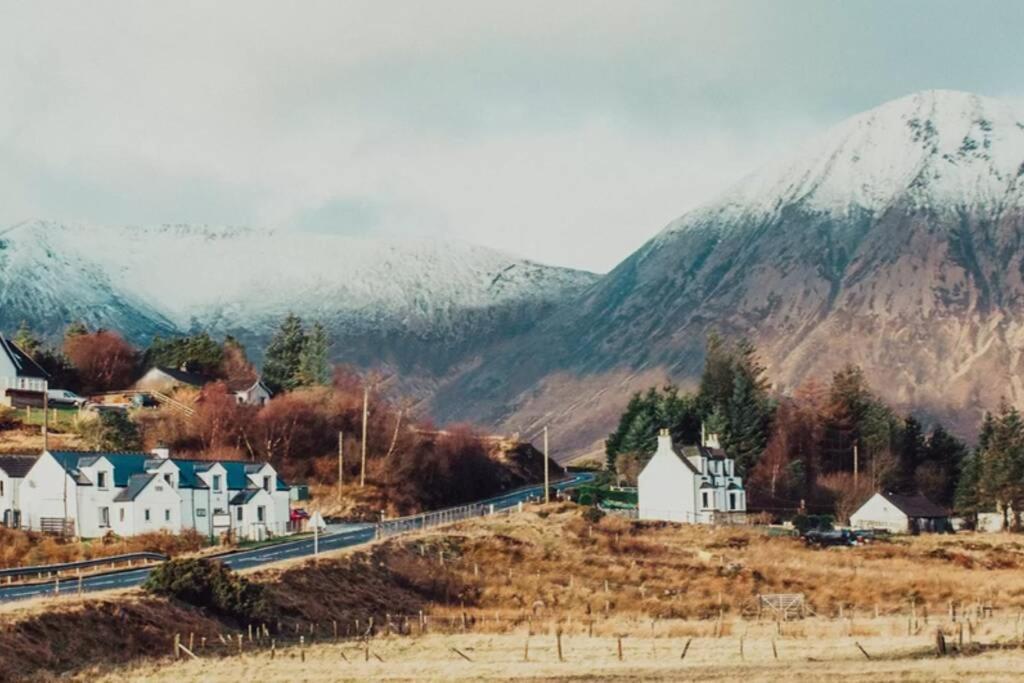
(42, 493)
(878, 513)
(666, 488)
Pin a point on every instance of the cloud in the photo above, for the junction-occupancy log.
(567, 132)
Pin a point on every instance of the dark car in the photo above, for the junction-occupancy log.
(824, 539)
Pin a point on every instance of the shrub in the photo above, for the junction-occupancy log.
(593, 514)
(210, 585)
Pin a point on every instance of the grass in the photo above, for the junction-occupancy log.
(501, 657)
(486, 585)
(60, 418)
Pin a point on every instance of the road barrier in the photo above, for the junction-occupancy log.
(47, 570)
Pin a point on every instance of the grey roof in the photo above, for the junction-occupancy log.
(183, 376)
(17, 466)
(915, 506)
(23, 364)
(244, 497)
(136, 484)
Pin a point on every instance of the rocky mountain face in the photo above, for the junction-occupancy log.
(422, 307)
(894, 241)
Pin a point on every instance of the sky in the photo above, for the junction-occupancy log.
(567, 132)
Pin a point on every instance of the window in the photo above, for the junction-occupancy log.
(239, 513)
(261, 514)
(101, 480)
(167, 515)
(121, 514)
(104, 517)
(146, 515)
(167, 478)
(200, 512)
(705, 498)
(732, 501)
(216, 482)
(1, 488)
(266, 484)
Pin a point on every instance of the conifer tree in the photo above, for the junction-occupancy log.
(284, 355)
(314, 368)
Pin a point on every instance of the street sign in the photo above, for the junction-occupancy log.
(317, 521)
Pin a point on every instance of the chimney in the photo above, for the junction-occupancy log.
(162, 452)
(664, 440)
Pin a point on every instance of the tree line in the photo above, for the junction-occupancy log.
(826, 446)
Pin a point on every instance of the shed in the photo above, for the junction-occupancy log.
(901, 514)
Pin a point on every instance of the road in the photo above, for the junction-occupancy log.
(335, 538)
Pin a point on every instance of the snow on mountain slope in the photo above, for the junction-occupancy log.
(939, 148)
(893, 241)
(241, 279)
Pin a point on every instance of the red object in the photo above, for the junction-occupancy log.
(297, 514)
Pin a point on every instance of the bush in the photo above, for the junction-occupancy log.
(210, 585)
(805, 523)
(593, 514)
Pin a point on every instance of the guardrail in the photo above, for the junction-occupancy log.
(47, 570)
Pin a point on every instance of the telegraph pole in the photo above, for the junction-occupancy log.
(46, 415)
(341, 461)
(366, 410)
(547, 474)
(856, 466)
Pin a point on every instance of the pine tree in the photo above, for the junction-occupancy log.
(314, 368)
(716, 382)
(284, 355)
(910, 454)
(746, 434)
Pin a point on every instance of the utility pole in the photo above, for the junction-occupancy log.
(547, 474)
(46, 416)
(341, 461)
(366, 410)
(856, 466)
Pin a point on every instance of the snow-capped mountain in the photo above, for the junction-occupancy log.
(893, 241)
(377, 297)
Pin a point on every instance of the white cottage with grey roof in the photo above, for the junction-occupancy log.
(697, 485)
(93, 494)
(22, 381)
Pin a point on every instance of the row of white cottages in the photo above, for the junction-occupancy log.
(90, 494)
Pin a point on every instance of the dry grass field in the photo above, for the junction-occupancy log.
(816, 657)
(462, 602)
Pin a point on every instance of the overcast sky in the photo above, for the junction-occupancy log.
(568, 132)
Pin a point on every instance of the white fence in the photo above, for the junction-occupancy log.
(680, 516)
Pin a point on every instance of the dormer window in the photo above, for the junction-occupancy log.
(266, 484)
(168, 479)
(101, 480)
(216, 483)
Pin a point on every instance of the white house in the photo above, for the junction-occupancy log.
(249, 392)
(900, 514)
(22, 381)
(698, 485)
(93, 494)
(13, 469)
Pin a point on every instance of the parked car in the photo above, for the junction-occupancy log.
(824, 539)
(63, 397)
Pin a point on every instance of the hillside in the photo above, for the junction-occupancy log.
(892, 241)
(487, 587)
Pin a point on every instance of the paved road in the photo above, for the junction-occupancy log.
(336, 537)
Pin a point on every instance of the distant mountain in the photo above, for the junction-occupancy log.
(893, 241)
(423, 306)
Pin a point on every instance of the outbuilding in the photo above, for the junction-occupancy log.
(901, 514)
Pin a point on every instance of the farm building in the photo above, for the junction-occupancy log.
(901, 514)
(698, 485)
